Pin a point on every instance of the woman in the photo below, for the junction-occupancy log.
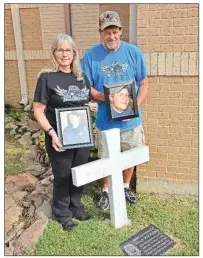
(63, 85)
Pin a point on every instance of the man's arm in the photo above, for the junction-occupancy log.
(96, 95)
(143, 92)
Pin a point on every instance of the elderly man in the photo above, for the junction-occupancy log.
(115, 61)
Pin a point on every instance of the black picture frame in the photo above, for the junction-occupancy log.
(74, 127)
(129, 106)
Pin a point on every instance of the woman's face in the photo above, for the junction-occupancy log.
(64, 55)
(120, 101)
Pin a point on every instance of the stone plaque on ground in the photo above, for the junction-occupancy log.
(150, 241)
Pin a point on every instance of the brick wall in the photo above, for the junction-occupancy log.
(33, 67)
(171, 128)
(9, 33)
(85, 24)
(12, 82)
(168, 27)
(168, 36)
(123, 11)
(31, 28)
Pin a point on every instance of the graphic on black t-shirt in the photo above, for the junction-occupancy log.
(115, 69)
(73, 93)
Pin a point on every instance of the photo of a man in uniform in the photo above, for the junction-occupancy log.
(76, 131)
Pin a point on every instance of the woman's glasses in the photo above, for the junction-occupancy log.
(62, 51)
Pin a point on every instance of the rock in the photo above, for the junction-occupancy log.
(30, 235)
(36, 135)
(27, 108)
(31, 211)
(47, 180)
(47, 190)
(11, 125)
(24, 117)
(8, 119)
(12, 215)
(9, 249)
(25, 140)
(22, 130)
(36, 169)
(9, 201)
(17, 136)
(30, 156)
(19, 182)
(26, 204)
(47, 173)
(12, 132)
(33, 126)
(43, 211)
(19, 195)
(15, 232)
(36, 141)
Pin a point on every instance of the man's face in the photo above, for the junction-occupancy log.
(110, 38)
(120, 101)
(74, 119)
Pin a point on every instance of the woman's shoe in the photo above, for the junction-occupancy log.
(69, 226)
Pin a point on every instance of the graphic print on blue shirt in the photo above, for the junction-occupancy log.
(113, 70)
(128, 64)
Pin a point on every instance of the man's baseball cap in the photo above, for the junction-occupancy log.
(109, 18)
(116, 90)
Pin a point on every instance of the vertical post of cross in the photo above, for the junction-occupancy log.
(117, 200)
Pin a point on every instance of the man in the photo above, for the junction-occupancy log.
(75, 132)
(119, 102)
(116, 61)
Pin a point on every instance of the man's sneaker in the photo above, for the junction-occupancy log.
(130, 196)
(103, 203)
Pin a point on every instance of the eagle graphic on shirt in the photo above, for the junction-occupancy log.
(74, 93)
(113, 70)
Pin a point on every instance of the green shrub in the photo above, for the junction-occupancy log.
(12, 112)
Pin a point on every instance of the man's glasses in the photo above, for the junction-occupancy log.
(62, 51)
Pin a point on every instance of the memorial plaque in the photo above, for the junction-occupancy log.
(150, 241)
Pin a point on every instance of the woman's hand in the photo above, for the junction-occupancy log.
(55, 142)
(93, 106)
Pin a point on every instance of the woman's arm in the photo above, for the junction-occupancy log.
(44, 123)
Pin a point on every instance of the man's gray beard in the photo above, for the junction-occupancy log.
(111, 47)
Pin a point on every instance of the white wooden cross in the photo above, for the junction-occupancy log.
(112, 166)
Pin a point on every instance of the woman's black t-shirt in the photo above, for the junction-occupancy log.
(59, 89)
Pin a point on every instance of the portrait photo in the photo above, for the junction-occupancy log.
(121, 101)
(74, 127)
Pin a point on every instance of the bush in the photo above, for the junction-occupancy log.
(12, 112)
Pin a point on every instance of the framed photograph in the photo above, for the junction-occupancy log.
(74, 126)
(121, 101)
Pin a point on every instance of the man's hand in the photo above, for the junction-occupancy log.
(93, 106)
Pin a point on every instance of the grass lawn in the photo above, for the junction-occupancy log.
(176, 216)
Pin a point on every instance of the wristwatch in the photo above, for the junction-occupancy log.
(49, 130)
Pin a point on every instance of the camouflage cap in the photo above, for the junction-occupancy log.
(109, 18)
(116, 90)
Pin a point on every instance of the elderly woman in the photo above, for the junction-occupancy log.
(63, 76)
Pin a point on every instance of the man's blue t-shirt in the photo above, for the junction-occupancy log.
(104, 67)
